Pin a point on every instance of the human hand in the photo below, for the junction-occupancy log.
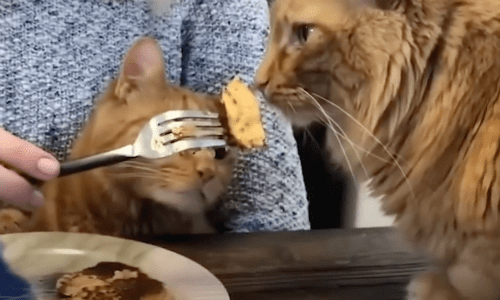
(28, 159)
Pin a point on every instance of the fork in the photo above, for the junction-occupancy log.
(164, 135)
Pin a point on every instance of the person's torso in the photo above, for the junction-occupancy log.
(57, 56)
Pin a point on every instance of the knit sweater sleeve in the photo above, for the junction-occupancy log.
(268, 191)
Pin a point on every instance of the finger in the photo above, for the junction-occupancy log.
(27, 157)
(17, 191)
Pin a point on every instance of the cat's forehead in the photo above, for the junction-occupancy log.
(326, 12)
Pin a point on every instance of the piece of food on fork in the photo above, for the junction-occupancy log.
(243, 116)
(179, 130)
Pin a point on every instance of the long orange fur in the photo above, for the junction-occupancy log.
(410, 90)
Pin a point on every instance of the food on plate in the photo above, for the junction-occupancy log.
(111, 281)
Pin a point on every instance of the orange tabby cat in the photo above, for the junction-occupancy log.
(171, 195)
(410, 89)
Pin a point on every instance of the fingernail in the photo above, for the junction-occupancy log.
(48, 166)
(37, 199)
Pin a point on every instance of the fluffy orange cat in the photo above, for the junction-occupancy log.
(166, 196)
(410, 90)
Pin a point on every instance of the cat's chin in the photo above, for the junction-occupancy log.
(193, 201)
(301, 122)
(301, 119)
(212, 190)
(298, 117)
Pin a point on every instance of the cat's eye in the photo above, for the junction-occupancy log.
(220, 153)
(303, 32)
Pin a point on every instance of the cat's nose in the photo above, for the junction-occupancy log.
(261, 79)
(261, 83)
(206, 173)
(262, 86)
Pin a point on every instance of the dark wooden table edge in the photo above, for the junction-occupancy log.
(332, 259)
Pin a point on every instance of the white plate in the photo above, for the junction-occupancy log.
(37, 254)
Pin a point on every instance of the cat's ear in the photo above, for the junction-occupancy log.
(143, 69)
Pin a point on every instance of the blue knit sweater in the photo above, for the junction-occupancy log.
(56, 56)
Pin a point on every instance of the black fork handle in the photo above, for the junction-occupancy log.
(89, 163)
(80, 165)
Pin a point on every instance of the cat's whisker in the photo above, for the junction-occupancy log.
(175, 173)
(330, 122)
(150, 174)
(367, 152)
(144, 168)
(330, 125)
(291, 106)
(135, 163)
(128, 165)
(398, 165)
(345, 153)
(139, 175)
(353, 145)
(311, 136)
(304, 135)
(343, 136)
(393, 155)
(335, 127)
(163, 172)
(147, 171)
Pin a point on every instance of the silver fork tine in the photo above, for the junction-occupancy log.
(192, 144)
(167, 127)
(198, 132)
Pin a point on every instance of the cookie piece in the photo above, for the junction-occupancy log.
(243, 115)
